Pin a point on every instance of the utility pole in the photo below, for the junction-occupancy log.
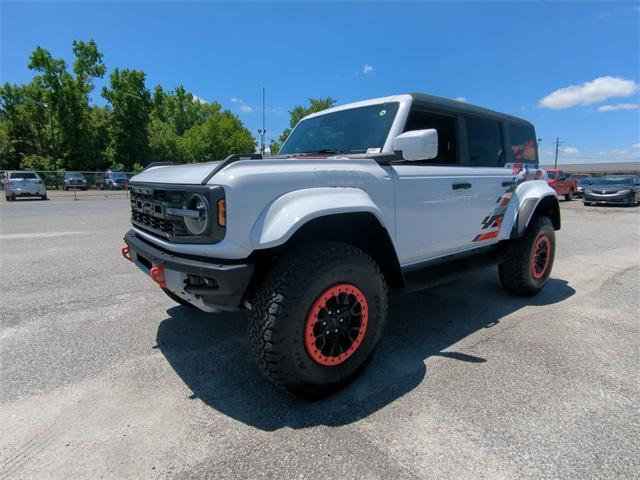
(558, 143)
(262, 131)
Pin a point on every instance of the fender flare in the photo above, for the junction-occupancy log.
(548, 202)
(279, 221)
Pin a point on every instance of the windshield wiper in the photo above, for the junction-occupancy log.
(324, 150)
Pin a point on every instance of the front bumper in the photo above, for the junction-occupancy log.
(617, 198)
(230, 280)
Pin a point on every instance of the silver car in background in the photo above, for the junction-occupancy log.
(23, 184)
(620, 190)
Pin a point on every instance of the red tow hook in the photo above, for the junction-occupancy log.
(157, 275)
(126, 252)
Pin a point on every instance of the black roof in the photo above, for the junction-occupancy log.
(431, 101)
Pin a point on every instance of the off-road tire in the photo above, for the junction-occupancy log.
(177, 299)
(569, 196)
(516, 272)
(281, 308)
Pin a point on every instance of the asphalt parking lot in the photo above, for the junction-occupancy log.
(102, 376)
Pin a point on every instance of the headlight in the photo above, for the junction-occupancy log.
(622, 192)
(196, 216)
(588, 190)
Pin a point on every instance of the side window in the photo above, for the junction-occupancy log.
(484, 138)
(445, 125)
(524, 145)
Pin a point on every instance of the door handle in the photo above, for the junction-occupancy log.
(460, 186)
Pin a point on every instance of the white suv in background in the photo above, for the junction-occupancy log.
(23, 184)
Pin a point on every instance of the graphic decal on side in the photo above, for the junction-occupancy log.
(493, 222)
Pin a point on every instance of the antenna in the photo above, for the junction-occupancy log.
(263, 130)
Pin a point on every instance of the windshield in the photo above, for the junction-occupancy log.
(117, 175)
(356, 130)
(586, 181)
(551, 174)
(24, 175)
(74, 175)
(615, 181)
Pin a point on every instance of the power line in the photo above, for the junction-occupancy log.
(557, 143)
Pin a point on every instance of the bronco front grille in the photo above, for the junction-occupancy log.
(149, 205)
(149, 211)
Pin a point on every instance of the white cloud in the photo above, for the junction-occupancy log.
(636, 145)
(246, 109)
(197, 99)
(461, 99)
(619, 106)
(236, 100)
(367, 69)
(570, 150)
(590, 92)
(614, 152)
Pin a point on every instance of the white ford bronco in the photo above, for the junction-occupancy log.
(399, 192)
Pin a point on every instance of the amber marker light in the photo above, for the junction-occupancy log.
(222, 213)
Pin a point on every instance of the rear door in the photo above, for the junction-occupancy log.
(493, 184)
(433, 197)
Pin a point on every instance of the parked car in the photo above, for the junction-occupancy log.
(561, 183)
(74, 181)
(581, 183)
(619, 190)
(111, 180)
(395, 192)
(23, 184)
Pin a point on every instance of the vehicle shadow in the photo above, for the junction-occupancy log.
(210, 353)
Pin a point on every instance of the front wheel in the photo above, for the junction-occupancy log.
(529, 259)
(569, 196)
(317, 318)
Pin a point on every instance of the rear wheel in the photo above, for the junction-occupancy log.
(529, 259)
(317, 318)
(569, 196)
(43, 197)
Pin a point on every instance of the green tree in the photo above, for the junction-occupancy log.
(66, 99)
(130, 108)
(297, 114)
(222, 134)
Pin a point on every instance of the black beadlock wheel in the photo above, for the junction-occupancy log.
(529, 259)
(317, 317)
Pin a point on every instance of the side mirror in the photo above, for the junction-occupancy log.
(417, 144)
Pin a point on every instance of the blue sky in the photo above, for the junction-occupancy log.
(508, 56)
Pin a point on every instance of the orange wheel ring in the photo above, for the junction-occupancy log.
(336, 324)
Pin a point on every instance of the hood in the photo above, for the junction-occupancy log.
(185, 174)
(610, 186)
(196, 173)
